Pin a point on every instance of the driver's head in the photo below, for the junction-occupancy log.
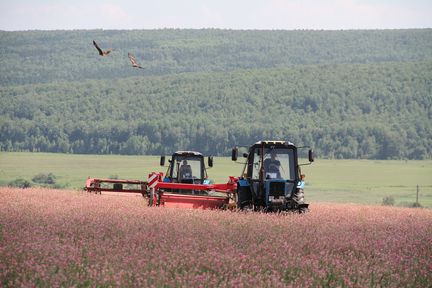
(273, 154)
(184, 162)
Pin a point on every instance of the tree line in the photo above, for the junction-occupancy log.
(371, 111)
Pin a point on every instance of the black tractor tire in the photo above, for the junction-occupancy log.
(299, 196)
(244, 198)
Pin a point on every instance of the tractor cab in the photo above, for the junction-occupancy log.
(186, 184)
(271, 178)
(187, 167)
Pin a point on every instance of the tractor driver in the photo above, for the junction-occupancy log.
(185, 170)
(271, 166)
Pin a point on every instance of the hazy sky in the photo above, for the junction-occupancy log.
(232, 14)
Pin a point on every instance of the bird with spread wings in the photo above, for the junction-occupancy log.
(101, 53)
(133, 61)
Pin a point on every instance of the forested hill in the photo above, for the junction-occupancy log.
(47, 56)
(349, 94)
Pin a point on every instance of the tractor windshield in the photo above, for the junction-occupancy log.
(278, 163)
(187, 168)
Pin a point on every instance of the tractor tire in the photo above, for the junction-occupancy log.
(299, 197)
(247, 206)
(244, 198)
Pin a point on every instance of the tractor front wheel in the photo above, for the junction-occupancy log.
(299, 197)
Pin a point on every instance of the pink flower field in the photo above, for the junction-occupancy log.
(52, 238)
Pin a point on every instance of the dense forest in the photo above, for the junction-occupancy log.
(348, 94)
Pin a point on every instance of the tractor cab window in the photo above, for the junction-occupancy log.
(256, 164)
(278, 163)
(272, 165)
(187, 169)
(285, 158)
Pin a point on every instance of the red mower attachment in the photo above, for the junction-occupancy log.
(184, 195)
(185, 184)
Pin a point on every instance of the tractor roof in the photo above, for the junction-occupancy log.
(187, 153)
(274, 142)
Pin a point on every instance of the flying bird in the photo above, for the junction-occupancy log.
(101, 53)
(133, 61)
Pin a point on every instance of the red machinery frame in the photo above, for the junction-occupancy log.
(159, 197)
(155, 191)
(94, 185)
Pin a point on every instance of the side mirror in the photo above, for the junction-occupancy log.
(210, 161)
(162, 161)
(311, 156)
(234, 154)
(245, 155)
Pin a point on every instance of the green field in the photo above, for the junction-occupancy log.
(345, 181)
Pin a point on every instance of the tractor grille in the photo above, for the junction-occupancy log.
(277, 189)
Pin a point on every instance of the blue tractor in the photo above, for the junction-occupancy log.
(271, 178)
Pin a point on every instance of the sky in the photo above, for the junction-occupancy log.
(17, 15)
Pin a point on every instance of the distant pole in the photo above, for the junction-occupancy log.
(417, 195)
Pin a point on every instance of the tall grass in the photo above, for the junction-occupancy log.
(67, 238)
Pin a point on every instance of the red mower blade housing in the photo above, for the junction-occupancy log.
(183, 195)
(192, 201)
